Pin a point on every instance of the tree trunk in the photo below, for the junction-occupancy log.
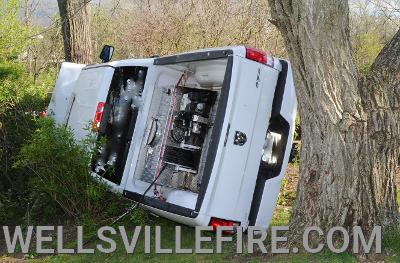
(75, 23)
(350, 124)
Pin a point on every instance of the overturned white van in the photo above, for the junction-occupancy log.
(201, 138)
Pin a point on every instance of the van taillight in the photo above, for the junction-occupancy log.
(217, 222)
(98, 116)
(259, 56)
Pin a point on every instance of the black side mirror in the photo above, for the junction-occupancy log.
(106, 53)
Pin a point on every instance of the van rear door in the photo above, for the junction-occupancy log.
(253, 84)
(61, 96)
(91, 88)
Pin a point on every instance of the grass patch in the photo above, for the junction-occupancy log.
(391, 246)
(281, 217)
(139, 255)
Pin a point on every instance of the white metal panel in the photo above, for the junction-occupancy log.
(227, 186)
(261, 123)
(209, 201)
(91, 88)
(60, 99)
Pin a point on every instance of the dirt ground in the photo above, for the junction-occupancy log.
(11, 260)
(292, 177)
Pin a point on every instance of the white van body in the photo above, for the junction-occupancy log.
(207, 133)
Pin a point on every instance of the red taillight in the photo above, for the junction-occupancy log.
(259, 56)
(98, 116)
(217, 222)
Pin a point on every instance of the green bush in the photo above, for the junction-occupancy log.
(57, 172)
(20, 103)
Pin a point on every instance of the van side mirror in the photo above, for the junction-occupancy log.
(106, 53)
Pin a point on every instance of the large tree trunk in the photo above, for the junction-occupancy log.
(75, 23)
(350, 124)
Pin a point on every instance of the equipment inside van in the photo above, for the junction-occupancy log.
(201, 138)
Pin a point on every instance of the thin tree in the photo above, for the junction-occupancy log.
(350, 123)
(75, 23)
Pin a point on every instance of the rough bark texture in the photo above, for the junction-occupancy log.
(75, 23)
(350, 124)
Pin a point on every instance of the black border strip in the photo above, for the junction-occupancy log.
(279, 90)
(257, 196)
(216, 134)
(188, 57)
(165, 206)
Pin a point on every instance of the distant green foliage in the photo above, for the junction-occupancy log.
(13, 34)
(368, 48)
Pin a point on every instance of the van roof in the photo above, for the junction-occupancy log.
(237, 50)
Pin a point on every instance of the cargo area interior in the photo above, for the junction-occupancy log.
(180, 123)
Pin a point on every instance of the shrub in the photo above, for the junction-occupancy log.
(20, 101)
(57, 171)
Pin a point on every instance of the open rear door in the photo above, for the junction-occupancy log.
(61, 97)
(91, 88)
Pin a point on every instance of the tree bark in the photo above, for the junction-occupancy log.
(350, 124)
(75, 24)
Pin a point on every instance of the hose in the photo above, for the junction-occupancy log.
(136, 205)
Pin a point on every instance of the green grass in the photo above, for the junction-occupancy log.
(391, 246)
(391, 242)
(168, 240)
(168, 229)
(281, 216)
